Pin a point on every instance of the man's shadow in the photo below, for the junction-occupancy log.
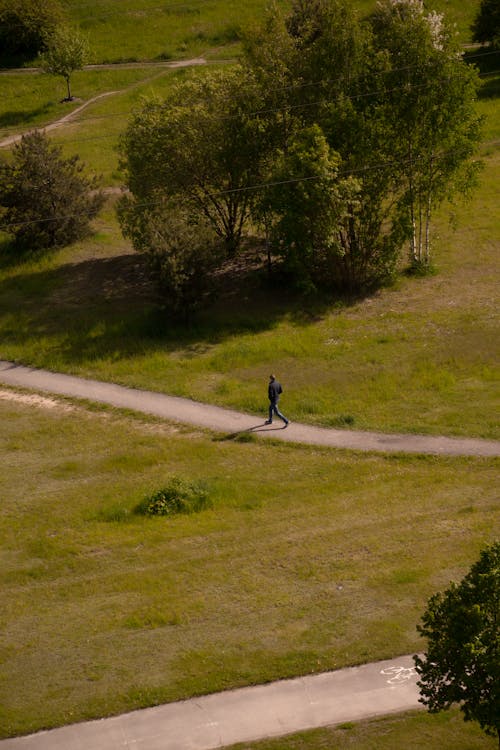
(250, 431)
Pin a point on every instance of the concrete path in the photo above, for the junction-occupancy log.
(232, 422)
(243, 715)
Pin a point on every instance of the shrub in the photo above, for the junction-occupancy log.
(26, 26)
(46, 199)
(178, 496)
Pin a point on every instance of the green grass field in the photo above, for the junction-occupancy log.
(193, 27)
(417, 731)
(332, 554)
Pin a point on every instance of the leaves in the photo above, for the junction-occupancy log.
(47, 200)
(462, 627)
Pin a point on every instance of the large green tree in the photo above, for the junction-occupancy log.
(486, 26)
(45, 199)
(394, 101)
(325, 59)
(203, 148)
(462, 661)
(426, 102)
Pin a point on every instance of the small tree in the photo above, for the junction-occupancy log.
(304, 207)
(67, 51)
(27, 25)
(46, 199)
(462, 627)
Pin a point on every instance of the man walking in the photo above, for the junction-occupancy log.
(274, 391)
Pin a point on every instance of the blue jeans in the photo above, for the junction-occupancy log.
(273, 409)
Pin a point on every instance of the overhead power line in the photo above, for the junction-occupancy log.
(248, 188)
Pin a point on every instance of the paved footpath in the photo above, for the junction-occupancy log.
(231, 422)
(251, 713)
(244, 715)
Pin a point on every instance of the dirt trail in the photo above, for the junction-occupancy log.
(12, 139)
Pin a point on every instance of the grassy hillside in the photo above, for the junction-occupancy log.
(172, 29)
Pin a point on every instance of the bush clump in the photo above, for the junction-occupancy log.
(177, 496)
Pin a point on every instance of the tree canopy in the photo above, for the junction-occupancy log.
(486, 26)
(337, 136)
(26, 26)
(67, 50)
(45, 199)
(462, 662)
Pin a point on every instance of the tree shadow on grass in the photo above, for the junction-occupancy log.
(110, 308)
(12, 118)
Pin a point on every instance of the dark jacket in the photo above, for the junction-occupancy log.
(274, 391)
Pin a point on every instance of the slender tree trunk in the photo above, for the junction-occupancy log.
(69, 90)
(413, 239)
(428, 230)
(420, 228)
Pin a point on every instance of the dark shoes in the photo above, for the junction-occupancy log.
(268, 421)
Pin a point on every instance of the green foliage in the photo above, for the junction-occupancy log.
(462, 628)
(45, 199)
(67, 51)
(177, 496)
(305, 204)
(26, 26)
(398, 112)
(486, 26)
(426, 101)
(200, 148)
(182, 249)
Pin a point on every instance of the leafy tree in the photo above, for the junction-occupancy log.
(486, 26)
(27, 25)
(182, 251)
(201, 148)
(426, 100)
(393, 99)
(67, 51)
(45, 199)
(324, 57)
(305, 205)
(462, 662)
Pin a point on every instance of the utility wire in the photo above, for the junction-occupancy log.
(249, 188)
(257, 113)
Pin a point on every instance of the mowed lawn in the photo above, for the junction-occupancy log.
(309, 560)
(418, 731)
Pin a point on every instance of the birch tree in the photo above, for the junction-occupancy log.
(427, 102)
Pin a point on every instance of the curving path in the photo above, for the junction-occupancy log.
(246, 714)
(232, 422)
(12, 139)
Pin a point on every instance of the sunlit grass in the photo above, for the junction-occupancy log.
(306, 561)
(418, 731)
